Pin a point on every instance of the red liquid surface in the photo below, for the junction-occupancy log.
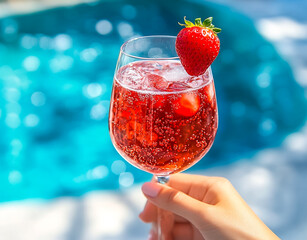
(161, 119)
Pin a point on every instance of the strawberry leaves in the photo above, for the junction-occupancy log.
(207, 23)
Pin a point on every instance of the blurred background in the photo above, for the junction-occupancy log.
(61, 178)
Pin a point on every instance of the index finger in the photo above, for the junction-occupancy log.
(183, 182)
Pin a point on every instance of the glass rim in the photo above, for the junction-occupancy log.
(122, 51)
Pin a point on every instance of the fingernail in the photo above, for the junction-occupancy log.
(151, 189)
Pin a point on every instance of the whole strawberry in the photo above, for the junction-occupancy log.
(197, 45)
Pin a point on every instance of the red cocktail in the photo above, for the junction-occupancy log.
(161, 119)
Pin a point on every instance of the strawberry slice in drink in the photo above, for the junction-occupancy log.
(157, 82)
(187, 105)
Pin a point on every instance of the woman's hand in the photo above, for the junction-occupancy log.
(204, 208)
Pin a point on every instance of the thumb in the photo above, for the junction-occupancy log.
(175, 201)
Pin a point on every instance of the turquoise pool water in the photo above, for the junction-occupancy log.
(56, 71)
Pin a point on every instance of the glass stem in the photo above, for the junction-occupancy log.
(165, 219)
(162, 179)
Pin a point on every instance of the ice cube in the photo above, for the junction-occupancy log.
(157, 66)
(198, 81)
(195, 82)
(175, 73)
(154, 67)
(177, 86)
(131, 77)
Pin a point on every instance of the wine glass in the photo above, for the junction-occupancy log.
(161, 119)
